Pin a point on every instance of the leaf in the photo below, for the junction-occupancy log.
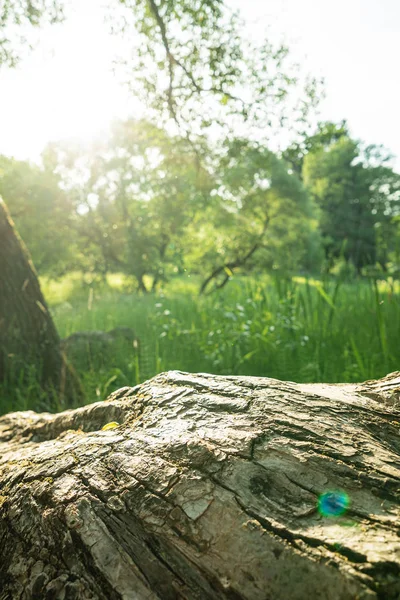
(325, 296)
(249, 355)
(112, 425)
(228, 271)
(109, 382)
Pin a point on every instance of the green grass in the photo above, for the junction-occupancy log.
(300, 330)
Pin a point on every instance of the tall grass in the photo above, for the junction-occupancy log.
(294, 329)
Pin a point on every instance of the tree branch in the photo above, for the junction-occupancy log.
(234, 264)
(172, 61)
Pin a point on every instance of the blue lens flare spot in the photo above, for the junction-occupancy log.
(333, 504)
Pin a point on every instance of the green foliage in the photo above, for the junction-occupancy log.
(359, 199)
(192, 63)
(148, 205)
(327, 133)
(42, 213)
(134, 197)
(259, 211)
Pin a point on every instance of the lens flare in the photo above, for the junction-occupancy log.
(333, 504)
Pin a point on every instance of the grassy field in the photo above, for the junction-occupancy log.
(294, 329)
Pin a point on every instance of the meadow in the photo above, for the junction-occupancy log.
(295, 329)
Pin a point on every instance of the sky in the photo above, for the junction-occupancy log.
(66, 88)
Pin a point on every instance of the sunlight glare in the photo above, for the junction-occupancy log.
(68, 89)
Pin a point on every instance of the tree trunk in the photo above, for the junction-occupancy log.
(202, 488)
(30, 346)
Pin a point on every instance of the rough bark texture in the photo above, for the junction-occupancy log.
(29, 343)
(207, 489)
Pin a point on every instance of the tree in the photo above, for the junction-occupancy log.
(135, 194)
(29, 341)
(261, 212)
(198, 486)
(327, 134)
(150, 205)
(194, 67)
(384, 191)
(34, 200)
(356, 193)
(30, 346)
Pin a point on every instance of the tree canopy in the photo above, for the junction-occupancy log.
(358, 196)
(203, 190)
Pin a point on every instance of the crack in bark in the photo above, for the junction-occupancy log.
(285, 534)
(178, 492)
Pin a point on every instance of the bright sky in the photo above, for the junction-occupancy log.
(65, 88)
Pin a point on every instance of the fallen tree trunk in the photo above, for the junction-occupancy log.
(209, 488)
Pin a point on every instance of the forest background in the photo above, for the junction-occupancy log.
(221, 249)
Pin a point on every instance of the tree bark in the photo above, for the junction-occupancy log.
(29, 342)
(205, 487)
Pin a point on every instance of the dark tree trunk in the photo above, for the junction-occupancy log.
(203, 488)
(29, 343)
(141, 285)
